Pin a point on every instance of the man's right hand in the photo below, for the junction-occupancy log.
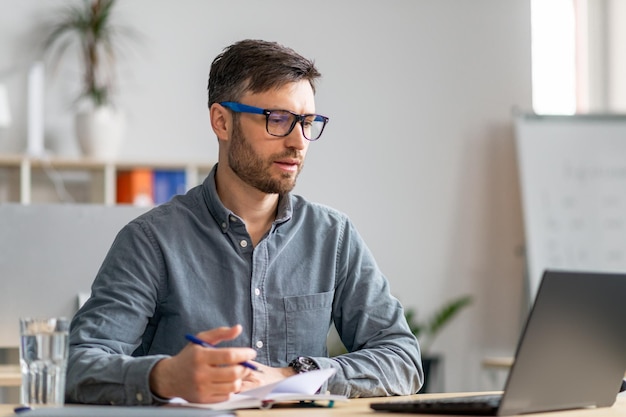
(202, 375)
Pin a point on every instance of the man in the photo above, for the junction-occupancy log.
(242, 262)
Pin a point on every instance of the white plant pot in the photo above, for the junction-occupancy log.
(100, 132)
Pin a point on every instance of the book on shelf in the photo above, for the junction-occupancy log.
(147, 187)
(135, 186)
(168, 183)
(299, 389)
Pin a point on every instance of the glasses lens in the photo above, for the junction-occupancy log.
(312, 126)
(280, 123)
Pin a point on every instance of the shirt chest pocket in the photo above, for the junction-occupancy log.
(308, 321)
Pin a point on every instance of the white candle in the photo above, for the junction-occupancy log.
(5, 111)
(35, 145)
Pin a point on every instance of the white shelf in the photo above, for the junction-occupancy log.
(10, 376)
(101, 175)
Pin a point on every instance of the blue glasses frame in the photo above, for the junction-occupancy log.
(301, 118)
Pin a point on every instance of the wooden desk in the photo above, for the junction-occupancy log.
(360, 407)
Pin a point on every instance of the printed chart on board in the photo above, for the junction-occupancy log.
(573, 181)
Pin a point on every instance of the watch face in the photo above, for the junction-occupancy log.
(304, 361)
(303, 364)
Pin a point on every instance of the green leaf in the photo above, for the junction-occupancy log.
(89, 26)
(426, 331)
(446, 313)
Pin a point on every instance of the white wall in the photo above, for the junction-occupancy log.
(419, 150)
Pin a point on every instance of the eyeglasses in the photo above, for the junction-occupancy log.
(281, 122)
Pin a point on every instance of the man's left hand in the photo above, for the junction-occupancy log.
(268, 376)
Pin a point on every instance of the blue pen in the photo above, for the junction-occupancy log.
(197, 341)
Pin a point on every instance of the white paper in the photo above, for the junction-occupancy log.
(300, 387)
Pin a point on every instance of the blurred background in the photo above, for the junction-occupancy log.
(420, 148)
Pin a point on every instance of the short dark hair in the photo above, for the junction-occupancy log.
(256, 66)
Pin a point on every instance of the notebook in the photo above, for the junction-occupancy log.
(571, 354)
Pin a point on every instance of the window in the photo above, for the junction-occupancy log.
(554, 57)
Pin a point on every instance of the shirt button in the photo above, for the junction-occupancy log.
(233, 219)
(139, 397)
(243, 243)
(259, 344)
(257, 291)
(224, 225)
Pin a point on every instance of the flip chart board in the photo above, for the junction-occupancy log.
(573, 180)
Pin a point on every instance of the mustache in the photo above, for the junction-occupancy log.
(292, 153)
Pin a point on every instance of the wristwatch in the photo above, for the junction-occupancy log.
(303, 364)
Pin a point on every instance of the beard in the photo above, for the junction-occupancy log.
(257, 172)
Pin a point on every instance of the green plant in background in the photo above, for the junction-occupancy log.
(89, 24)
(426, 331)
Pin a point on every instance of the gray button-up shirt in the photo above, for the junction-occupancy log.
(189, 265)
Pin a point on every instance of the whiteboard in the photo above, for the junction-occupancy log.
(573, 182)
(50, 253)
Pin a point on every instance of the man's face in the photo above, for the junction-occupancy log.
(268, 163)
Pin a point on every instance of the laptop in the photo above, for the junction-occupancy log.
(571, 354)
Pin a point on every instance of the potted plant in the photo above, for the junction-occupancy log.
(427, 330)
(99, 124)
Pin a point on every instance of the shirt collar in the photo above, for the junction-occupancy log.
(224, 216)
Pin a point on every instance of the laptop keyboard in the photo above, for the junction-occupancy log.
(468, 405)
